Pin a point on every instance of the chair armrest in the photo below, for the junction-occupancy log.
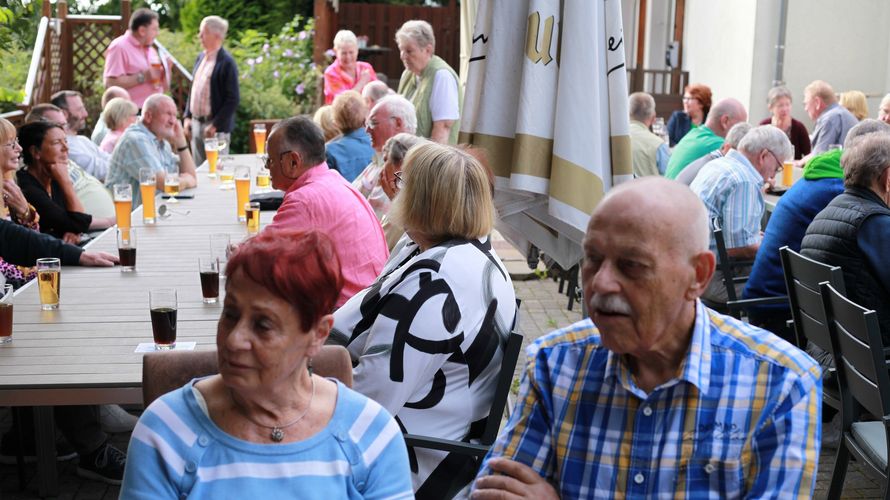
(476, 450)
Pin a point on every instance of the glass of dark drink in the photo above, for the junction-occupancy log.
(162, 303)
(208, 267)
(6, 314)
(126, 249)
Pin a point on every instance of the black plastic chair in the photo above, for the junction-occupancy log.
(474, 453)
(865, 387)
(731, 270)
(802, 279)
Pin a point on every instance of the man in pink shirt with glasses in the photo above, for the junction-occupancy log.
(132, 62)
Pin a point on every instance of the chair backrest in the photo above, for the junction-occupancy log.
(724, 263)
(502, 389)
(859, 353)
(802, 278)
(163, 372)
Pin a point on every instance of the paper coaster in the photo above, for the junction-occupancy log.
(180, 346)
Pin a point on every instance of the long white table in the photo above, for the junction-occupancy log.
(83, 353)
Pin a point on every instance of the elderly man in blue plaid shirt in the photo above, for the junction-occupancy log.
(655, 395)
(149, 143)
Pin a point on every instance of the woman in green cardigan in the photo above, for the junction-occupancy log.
(429, 83)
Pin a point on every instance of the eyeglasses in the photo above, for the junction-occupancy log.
(688, 98)
(267, 161)
(12, 144)
(371, 125)
(779, 162)
(399, 181)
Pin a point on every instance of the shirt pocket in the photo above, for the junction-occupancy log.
(709, 478)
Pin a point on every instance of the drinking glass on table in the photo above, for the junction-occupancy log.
(259, 138)
(226, 174)
(171, 186)
(242, 190)
(126, 249)
(263, 180)
(162, 307)
(211, 151)
(208, 269)
(6, 314)
(147, 187)
(222, 142)
(788, 170)
(49, 279)
(219, 250)
(123, 204)
(252, 211)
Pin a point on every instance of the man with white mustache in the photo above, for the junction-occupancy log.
(656, 395)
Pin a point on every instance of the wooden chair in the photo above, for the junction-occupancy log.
(802, 278)
(731, 270)
(474, 453)
(865, 387)
(163, 372)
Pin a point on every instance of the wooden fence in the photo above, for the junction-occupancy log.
(379, 22)
(665, 86)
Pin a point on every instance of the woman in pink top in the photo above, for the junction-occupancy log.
(346, 72)
(119, 114)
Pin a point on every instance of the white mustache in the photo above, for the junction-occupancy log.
(610, 304)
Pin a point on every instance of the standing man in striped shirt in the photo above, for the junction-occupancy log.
(655, 395)
(732, 190)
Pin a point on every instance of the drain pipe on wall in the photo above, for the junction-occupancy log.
(779, 78)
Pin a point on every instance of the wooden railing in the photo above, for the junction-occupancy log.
(665, 86)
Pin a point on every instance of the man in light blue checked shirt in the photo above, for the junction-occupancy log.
(732, 190)
(655, 395)
(150, 143)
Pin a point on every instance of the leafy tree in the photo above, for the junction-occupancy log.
(263, 16)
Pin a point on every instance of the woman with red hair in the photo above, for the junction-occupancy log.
(696, 105)
(265, 423)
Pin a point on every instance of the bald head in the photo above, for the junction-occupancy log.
(726, 113)
(113, 92)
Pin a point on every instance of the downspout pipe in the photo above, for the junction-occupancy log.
(779, 78)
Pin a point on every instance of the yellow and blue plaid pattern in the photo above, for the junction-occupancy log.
(742, 418)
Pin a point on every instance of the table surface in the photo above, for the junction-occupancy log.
(83, 352)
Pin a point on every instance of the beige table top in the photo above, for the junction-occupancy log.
(84, 352)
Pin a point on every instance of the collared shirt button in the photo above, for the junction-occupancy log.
(709, 468)
(203, 440)
(647, 411)
(191, 467)
(639, 478)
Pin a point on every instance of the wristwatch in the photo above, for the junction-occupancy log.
(140, 77)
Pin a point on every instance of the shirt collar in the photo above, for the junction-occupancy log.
(694, 369)
(211, 55)
(749, 170)
(134, 41)
(308, 175)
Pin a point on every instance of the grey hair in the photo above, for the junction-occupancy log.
(376, 90)
(154, 101)
(641, 106)
(863, 128)
(419, 31)
(345, 37)
(884, 101)
(866, 161)
(401, 108)
(397, 146)
(217, 25)
(766, 137)
(777, 93)
(737, 133)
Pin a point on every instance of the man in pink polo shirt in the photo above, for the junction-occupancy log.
(133, 63)
(319, 198)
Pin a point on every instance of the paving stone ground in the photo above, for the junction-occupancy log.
(543, 310)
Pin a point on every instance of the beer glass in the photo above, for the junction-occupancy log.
(211, 151)
(208, 269)
(147, 187)
(252, 211)
(242, 190)
(788, 170)
(6, 314)
(49, 279)
(226, 175)
(219, 250)
(221, 143)
(126, 249)
(171, 186)
(123, 204)
(263, 180)
(259, 137)
(162, 306)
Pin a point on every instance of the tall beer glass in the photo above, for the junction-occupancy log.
(6, 314)
(49, 277)
(211, 151)
(147, 187)
(259, 137)
(242, 190)
(123, 204)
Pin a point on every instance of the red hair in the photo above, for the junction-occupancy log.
(300, 267)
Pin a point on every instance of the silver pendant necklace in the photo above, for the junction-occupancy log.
(277, 434)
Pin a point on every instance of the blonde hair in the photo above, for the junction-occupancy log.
(118, 111)
(855, 102)
(822, 90)
(446, 194)
(324, 118)
(7, 131)
(350, 111)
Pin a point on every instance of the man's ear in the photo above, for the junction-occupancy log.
(703, 265)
